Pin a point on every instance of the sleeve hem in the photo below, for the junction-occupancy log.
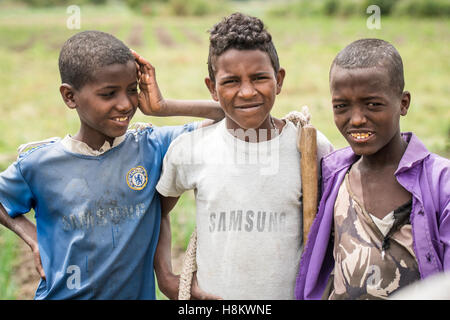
(167, 192)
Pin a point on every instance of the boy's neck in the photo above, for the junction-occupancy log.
(388, 156)
(95, 143)
(267, 131)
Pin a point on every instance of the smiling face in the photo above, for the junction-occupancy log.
(245, 86)
(106, 104)
(367, 108)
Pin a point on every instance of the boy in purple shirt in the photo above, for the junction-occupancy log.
(384, 216)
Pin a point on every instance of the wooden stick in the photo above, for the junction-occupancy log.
(307, 145)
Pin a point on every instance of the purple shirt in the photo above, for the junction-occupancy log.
(424, 174)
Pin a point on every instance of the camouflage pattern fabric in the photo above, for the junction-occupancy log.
(362, 271)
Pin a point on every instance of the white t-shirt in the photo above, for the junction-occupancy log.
(249, 223)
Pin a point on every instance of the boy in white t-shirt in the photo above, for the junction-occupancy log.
(245, 171)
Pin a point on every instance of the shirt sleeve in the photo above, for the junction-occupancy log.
(324, 146)
(173, 182)
(170, 133)
(15, 194)
(444, 215)
(445, 235)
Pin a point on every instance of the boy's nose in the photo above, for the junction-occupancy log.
(124, 103)
(246, 90)
(357, 117)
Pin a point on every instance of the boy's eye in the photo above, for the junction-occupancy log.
(339, 106)
(230, 81)
(133, 90)
(374, 104)
(108, 94)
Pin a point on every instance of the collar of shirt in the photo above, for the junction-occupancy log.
(75, 146)
(414, 153)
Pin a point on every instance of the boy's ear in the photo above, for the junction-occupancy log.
(405, 102)
(211, 85)
(280, 78)
(68, 93)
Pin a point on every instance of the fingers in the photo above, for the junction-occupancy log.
(38, 266)
(138, 70)
(41, 272)
(198, 294)
(141, 60)
(145, 70)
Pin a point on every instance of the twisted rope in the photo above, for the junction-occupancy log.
(299, 118)
(188, 269)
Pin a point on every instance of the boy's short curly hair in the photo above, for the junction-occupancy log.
(370, 53)
(241, 32)
(87, 51)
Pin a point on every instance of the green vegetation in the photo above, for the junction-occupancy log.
(416, 8)
(8, 256)
(32, 108)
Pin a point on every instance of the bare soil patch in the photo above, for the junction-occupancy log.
(25, 274)
(189, 34)
(135, 38)
(164, 37)
(24, 45)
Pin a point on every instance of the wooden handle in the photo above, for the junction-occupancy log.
(307, 145)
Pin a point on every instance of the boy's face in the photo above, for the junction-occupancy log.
(245, 86)
(366, 107)
(106, 104)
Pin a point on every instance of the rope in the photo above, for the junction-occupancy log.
(189, 261)
(188, 269)
(299, 118)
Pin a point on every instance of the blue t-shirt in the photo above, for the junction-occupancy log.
(97, 217)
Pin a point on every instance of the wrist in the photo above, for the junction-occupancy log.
(26, 230)
(166, 107)
(164, 274)
(150, 108)
(33, 245)
(163, 108)
(168, 285)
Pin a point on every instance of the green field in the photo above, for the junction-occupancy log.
(32, 108)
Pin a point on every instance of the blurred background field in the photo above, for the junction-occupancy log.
(172, 34)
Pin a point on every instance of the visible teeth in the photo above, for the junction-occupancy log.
(360, 136)
(121, 119)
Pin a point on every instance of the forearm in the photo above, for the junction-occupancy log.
(208, 109)
(163, 254)
(21, 226)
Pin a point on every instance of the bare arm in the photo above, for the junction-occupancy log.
(168, 282)
(151, 101)
(26, 230)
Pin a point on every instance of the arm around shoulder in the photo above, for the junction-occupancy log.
(151, 101)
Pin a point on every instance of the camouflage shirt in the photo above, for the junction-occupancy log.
(370, 265)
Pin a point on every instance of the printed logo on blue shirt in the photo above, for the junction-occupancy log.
(137, 178)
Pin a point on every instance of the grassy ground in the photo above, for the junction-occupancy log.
(8, 254)
(32, 108)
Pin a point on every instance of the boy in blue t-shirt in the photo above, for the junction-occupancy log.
(97, 210)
